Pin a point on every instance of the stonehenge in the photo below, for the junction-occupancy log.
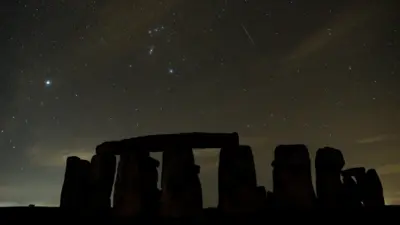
(123, 178)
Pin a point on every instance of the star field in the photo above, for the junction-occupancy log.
(76, 73)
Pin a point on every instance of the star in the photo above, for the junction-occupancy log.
(151, 50)
(48, 83)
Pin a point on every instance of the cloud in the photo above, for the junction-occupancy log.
(389, 169)
(24, 195)
(339, 26)
(10, 204)
(44, 157)
(18, 204)
(392, 201)
(392, 198)
(378, 138)
(47, 154)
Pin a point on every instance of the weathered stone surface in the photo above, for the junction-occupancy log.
(292, 177)
(74, 193)
(353, 183)
(373, 190)
(236, 167)
(151, 193)
(328, 164)
(136, 184)
(157, 143)
(102, 180)
(181, 187)
(352, 195)
(237, 182)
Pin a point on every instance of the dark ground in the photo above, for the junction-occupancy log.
(13, 215)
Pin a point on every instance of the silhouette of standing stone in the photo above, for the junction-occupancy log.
(135, 182)
(74, 193)
(292, 177)
(351, 193)
(102, 180)
(373, 190)
(150, 180)
(237, 182)
(328, 164)
(353, 188)
(181, 187)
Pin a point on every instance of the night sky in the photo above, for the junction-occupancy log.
(75, 73)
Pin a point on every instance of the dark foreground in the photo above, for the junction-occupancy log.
(56, 215)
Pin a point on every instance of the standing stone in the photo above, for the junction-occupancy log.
(181, 187)
(102, 180)
(328, 164)
(135, 181)
(74, 193)
(150, 192)
(85, 182)
(351, 193)
(292, 177)
(237, 182)
(353, 180)
(373, 190)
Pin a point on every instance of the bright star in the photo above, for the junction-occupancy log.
(47, 83)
